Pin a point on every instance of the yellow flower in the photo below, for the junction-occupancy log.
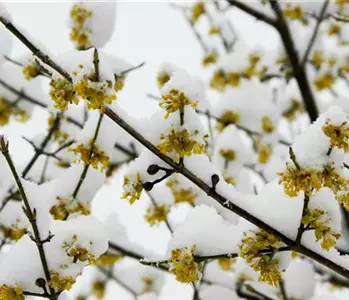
(313, 220)
(226, 263)
(234, 79)
(31, 70)
(324, 81)
(228, 154)
(78, 253)
(230, 180)
(267, 125)
(181, 194)
(197, 10)
(62, 93)
(334, 29)
(264, 153)
(180, 143)
(265, 264)
(210, 58)
(219, 80)
(7, 110)
(11, 293)
(79, 33)
(98, 289)
(338, 134)
(293, 12)
(175, 100)
(133, 188)
(61, 283)
(228, 117)
(13, 232)
(108, 259)
(148, 285)
(163, 78)
(214, 30)
(119, 82)
(156, 215)
(295, 180)
(96, 93)
(184, 266)
(92, 155)
(67, 206)
(291, 112)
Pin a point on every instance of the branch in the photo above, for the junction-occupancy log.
(31, 214)
(253, 12)
(315, 33)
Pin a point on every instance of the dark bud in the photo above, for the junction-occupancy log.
(40, 282)
(153, 169)
(215, 180)
(148, 186)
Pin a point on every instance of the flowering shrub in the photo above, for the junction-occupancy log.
(252, 187)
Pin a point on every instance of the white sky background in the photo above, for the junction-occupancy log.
(146, 31)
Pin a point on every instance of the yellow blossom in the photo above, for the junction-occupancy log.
(184, 266)
(11, 293)
(175, 100)
(119, 82)
(265, 264)
(294, 180)
(31, 70)
(294, 12)
(230, 180)
(7, 110)
(313, 219)
(61, 283)
(181, 194)
(324, 81)
(267, 124)
(96, 93)
(214, 30)
(234, 79)
(317, 59)
(219, 80)
(62, 93)
(338, 134)
(59, 136)
(162, 78)
(92, 155)
(148, 285)
(180, 143)
(295, 107)
(226, 263)
(13, 232)
(264, 153)
(197, 10)
(98, 289)
(210, 58)
(79, 33)
(228, 117)
(334, 29)
(228, 154)
(156, 214)
(67, 206)
(108, 259)
(133, 188)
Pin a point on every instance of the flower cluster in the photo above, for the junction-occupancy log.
(62, 93)
(8, 110)
(92, 155)
(175, 100)
(266, 264)
(66, 207)
(156, 214)
(184, 266)
(79, 34)
(197, 10)
(31, 70)
(181, 193)
(11, 293)
(61, 283)
(338, 134)
(133, 187)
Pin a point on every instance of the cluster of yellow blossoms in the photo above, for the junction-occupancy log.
(92, 155)
(226, 263)
(62, 93)
(61, 283)
(295, 107)
(228, 117)
(31, 70)
(14, 232)
(180, 143)
(338, 134)
(98, 289)
(7, 110)
(157, 214)
(198, 9)
(313, 219)
(221, 79)
(78, 253)
(11, 293)
(180, 193)
(210, 58)
(133, 187)
(59, 136)
(184, 266)
(79, 33)
(67, 206)
(175, 100)
(265, 264)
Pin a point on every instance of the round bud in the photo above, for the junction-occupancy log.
(148, 186)
(153, 169)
